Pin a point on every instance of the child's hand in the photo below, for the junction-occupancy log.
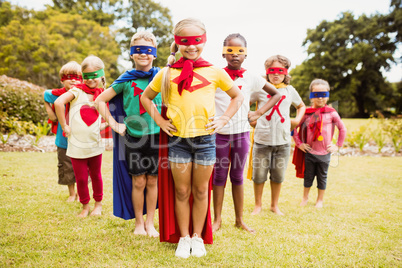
(120, 129)
(168, 127)
(217, 124)
(253, 116)
(253, 124)
(305, 147)
(67, 130)
(332, 148)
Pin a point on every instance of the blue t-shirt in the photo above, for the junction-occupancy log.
(61, 141)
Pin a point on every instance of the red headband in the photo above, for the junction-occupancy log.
(190, 40)
(277, 71)
(71, 76)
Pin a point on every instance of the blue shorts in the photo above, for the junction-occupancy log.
(200, 150)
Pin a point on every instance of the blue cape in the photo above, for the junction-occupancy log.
(122, 181)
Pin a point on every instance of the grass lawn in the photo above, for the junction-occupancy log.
(359, 226)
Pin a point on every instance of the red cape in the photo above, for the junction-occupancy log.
(168, 227)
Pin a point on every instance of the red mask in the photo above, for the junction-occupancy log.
(277, 71)
(70, 77)
(190, 40)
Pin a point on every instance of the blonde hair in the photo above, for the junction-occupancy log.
(71, 67)
(165, 88)
(144, 35)
(318, 81)
(96, 63)
(282, 60)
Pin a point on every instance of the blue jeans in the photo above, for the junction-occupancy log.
(200, 150)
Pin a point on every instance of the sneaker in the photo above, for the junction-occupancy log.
(197, 246)
(183, 247)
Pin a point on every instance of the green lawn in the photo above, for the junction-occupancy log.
(359, 226)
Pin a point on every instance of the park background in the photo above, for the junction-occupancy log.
(355, 45)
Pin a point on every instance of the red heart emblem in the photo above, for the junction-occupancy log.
(89, 114)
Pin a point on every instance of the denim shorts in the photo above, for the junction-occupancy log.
(200, 150)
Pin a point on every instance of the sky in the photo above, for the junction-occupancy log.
(270, 27)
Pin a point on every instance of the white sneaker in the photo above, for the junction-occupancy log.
(183, 247)
(197, 246)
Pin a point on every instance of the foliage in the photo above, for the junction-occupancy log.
(358, 138)
(393, 129)
(148, 15)
(35, 48)
(350, 53)
(21, 100)
(379, 138)
(128, 17)
(359, 225)
(100, 11)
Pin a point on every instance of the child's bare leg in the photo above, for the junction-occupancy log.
(258, 189)
(182, 183)
(97, 209)
(72, 193)
(275, 192)
(238, 200)
(85, 211)
(320, 199)
(218, 194)
(152, 197)
(305, 196)
(201, 175)
(137, 197)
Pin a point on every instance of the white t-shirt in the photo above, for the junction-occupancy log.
(85, 139)
(275, 131)
(248, 84)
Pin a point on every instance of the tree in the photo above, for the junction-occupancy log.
(35, 49)
(100, 11)
(131, 16)
(148, 15)
(350, 53)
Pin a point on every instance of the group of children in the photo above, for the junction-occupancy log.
(171, 149)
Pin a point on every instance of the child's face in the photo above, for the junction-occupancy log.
(143, 62)
(235, 60)
(92, 83)
(191, 52)
(276, 79)
(70, 82)
(319, 102)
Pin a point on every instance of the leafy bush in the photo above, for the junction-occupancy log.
(21, 101)
(393, 128)
(358, 138)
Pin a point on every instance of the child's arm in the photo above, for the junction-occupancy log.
(103, 125)
(300, 110)
(59, 105)
(50, 112)
(275, 96)
(146, 99)
(100, 104)
(341, 136)
(235, 104)
(305, 147)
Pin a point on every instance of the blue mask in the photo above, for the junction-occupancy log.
(323, 94)
(143, 50)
